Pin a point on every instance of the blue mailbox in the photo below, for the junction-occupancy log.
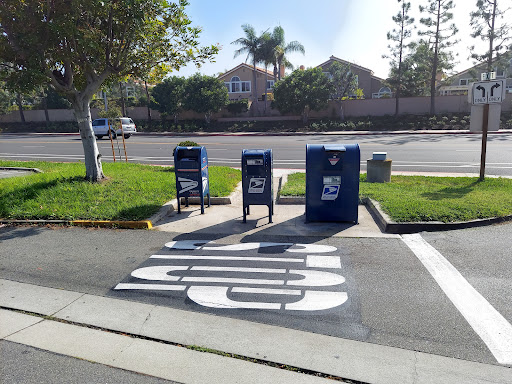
(332, 182)
(257, 185)
(191, 169)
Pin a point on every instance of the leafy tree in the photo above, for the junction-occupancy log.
(344, 82)
(54, 100)
(77, 45)
(417, 69)
(398, 37)
(250, 45)
(438, 14)
(155, 76)
(5, 100)
(302, 92)
(237, 107)
(168, 96)
(205, 94)
(281, 49)
(488, 24)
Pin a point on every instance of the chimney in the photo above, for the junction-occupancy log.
(281, 74)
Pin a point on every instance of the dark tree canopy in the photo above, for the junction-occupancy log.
(302, 91)
(205, 94)
(78, 45)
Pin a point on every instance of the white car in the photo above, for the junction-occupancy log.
(100, 127)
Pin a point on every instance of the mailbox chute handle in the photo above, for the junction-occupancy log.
(335, 148)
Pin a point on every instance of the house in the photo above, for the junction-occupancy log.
(459, 83)
(370, 84)
(239, 82)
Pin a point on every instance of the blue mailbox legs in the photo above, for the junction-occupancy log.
(257, 185)
(191, 169)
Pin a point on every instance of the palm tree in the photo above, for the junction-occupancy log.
(250, 44)
(282, 49)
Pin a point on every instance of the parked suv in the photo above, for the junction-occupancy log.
(100, 127)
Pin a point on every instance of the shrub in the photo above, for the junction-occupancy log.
(238, 106)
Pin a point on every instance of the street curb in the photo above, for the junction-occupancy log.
(387, 225)
(143, 224)
(296, 133)
(35, 170)
(172, 206)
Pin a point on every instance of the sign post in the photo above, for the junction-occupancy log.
(487, 92)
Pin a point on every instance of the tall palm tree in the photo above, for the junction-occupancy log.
(250, 44)
(283, 49)
(266, 55)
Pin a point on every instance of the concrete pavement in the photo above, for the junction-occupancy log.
(150, 340)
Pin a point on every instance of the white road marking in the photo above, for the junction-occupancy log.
(229, 258)
(318, 301)
(314, 278)
(314, 261)
(159, 272)
(243, 246)
(216, 297)
(203, 244)
(488, 323)
(150, 287)
(238, 269)
(312, 248)
(267, 291)
(231, 280)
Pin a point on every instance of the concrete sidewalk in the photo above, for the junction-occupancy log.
(150, 339)
(288, 220)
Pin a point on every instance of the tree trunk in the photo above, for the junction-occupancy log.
(255, 97)
(20, 107)
(341, 112)
(149, 101)
(123, 107)
(45, 106)
(434, 66)
(93, 168)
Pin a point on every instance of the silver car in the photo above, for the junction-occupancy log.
(100, 127)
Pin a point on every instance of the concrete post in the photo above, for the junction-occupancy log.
(379, 168)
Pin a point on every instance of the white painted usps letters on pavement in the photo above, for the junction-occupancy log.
(289, 283)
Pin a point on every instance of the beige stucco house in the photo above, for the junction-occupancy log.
(459, 83)
(370, 84)
(239, 82)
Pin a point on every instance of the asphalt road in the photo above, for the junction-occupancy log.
(409, 152)
(373, 290)
(28, 365)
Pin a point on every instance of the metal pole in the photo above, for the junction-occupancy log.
(485, 128)
(111, 141)
(124, 143)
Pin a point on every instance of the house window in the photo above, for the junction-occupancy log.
(499, 72)
(235, 85)
(270, 84)
(246, 86)
(464, 81)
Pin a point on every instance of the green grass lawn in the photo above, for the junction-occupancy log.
(132, 192)
(418, 198)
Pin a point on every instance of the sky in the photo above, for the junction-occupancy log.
(351, 30)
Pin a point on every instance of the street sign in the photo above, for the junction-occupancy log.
(488, 92)
(488, 76)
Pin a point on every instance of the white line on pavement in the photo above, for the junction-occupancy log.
(229, 258)
(487, 322)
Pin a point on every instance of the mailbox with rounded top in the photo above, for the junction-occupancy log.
(191, 169)
(257, 180)
(332, 182)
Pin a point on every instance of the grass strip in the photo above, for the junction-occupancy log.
(131, 192)
(423, 199)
